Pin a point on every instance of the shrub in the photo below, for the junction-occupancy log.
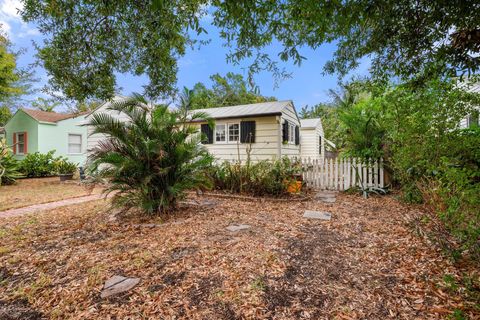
(9, 166)
(260, 178)
(38, 164)
(151, 159)
(63, 166)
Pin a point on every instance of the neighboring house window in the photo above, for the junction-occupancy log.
(220, 133)
(233, 132)
(74, 143)
(228, 132)
(21, 143)
(291, 133)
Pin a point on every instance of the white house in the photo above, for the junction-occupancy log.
(473, 118)
(270, 130)
(312, 139)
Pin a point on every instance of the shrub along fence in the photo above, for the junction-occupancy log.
(343, 173)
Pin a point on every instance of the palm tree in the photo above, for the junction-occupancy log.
(151, 159)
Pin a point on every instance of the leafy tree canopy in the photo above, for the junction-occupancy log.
(89, 41)
(230, 90)
(45, 104)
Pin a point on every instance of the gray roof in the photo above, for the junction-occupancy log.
(247, 110)
(309, 123)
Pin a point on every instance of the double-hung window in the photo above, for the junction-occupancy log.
(74, 143)
(20, 143)
(291, 133)
(227, 132)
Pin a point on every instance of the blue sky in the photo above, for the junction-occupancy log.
(307, 86)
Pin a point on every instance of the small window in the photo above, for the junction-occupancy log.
(20, 143)
(291, 133)
(220, 134)
(233, 132)
(74, 143)
(319, 144)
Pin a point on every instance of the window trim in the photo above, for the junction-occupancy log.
(17, 144)
(227, 133)
(68, 143)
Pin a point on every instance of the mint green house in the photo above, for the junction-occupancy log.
(29, 131)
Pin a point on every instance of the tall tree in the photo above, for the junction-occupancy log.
(228, 90)
(87, 42)
(45, 104)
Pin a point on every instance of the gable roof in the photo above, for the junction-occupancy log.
(45, 116)
(247, 110)
(309, 123)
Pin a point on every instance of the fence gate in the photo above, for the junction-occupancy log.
(342, 173)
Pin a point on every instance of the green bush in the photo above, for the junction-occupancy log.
(9, 166)
(150, 160)
(260, 178)
(38, 164)
(63, 166)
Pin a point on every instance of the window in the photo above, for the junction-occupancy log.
(21, 143)
(228, 132)
(74, 143)
(233, 132)
(220, 135)
(291, 133)
(319, 144)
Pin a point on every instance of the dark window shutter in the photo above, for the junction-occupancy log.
(207, 134)
(297, 135)
(320, 144)
(247, 131)
(285, 131)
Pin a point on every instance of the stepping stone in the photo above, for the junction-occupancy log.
(321, 215)
(237, 227)
(118, 284)
(326, 196)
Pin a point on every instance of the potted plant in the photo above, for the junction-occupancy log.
(66, 169)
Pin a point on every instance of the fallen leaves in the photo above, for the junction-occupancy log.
(364, 263)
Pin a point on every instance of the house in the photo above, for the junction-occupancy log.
(29, 131)
(472, 119)
(266, 131)
(312, 139)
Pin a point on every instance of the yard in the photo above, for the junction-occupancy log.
(367, 262)
(40, 190)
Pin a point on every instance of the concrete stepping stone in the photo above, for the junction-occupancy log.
(326, 196)
(118, 284)
(237, 227)
(319, 215)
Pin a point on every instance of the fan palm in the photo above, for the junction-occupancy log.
(151, 159)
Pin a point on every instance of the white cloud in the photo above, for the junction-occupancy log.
(5, 28)
(9, 9)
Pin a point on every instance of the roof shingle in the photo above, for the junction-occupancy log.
(46, 116)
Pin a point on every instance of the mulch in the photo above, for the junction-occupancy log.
(366, 263)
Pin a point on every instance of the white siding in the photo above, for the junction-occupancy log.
(265, 146)
(290, 149)
(309, 142)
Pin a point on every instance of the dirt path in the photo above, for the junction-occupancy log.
(48, 206)
(366, 263)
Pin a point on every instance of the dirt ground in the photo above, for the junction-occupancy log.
(366, 263)
(26, 192)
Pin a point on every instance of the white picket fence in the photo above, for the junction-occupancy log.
(342, 173)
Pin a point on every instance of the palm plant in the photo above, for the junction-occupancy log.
(151, 159)
(9, 166)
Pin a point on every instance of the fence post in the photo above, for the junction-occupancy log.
(381, 173)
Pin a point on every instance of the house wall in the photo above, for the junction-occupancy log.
(289, 149)
(55, 137)
(22, 122)
(266, 146)
(309, 142)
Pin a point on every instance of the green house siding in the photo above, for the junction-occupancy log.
(55, 137)
(22, 122)
(44, 137)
